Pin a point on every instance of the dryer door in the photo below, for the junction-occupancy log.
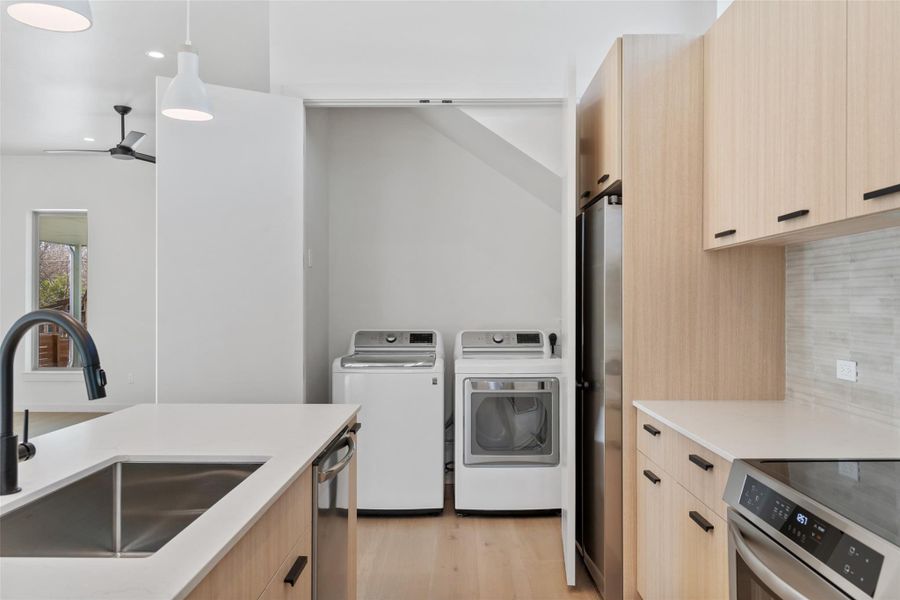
(511, 422)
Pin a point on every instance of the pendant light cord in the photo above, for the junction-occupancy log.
(187, 3)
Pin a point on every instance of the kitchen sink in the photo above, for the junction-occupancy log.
(127, 509)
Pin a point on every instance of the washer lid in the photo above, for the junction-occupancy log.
(363, 360)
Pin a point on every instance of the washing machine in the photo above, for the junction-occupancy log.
(506, 422)
(397, 378)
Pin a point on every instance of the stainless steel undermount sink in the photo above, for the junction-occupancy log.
(127, 509)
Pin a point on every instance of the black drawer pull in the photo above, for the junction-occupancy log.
(725, 233)
(297, 568)
(793, 215)
(651, 429)
(603, 178)
(651, 476)
(700, 462)
(699, 520)
(586, 194)
(891, 189)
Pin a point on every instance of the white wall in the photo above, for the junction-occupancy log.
(425, 235)
(457, 49)
(230, 230)
(119, 197)
(316, 279)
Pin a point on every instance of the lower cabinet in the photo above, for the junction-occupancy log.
(656, 569)
(252, 567)
(702, 548)
(682, 544)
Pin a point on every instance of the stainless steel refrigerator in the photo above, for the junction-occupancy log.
(599, 364)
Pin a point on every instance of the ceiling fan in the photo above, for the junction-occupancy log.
(124, 150)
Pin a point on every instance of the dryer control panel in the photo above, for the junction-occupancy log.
(505, 340)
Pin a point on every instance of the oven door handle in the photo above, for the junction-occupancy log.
(814, 587)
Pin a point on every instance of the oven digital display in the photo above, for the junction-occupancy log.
(852, 560)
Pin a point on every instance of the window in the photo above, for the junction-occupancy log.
(61, 282)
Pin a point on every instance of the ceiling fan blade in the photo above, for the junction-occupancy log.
(75, 151)
(132, 139)
(145, 157)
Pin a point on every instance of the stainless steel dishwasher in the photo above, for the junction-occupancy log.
(330, 535)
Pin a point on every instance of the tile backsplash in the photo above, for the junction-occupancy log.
(843, 302)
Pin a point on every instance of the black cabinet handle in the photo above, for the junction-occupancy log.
(586, 194)
(891, 189)
(603, 178)
(651, 476)
(296, 569)
(793, 215)
(651, 429)
(700, 462)
(725, 233)
(700, 521)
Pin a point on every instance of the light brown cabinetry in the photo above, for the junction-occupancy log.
(600, 127)
(249, 567)
(655, 567)
(682, 548)
(692, 320)
(775, 116)
(701, 543)
(873, 107)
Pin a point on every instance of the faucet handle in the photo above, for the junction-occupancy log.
(26, 449)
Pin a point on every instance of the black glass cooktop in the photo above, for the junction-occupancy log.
(866, 492)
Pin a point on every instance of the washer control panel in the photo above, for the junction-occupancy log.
(388, 340)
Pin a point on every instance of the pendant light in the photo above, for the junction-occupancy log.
(186, 97)
(53, 15)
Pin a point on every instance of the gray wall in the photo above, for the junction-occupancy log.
(843, 302)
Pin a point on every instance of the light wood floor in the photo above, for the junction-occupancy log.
(464, 558)
(44, 422)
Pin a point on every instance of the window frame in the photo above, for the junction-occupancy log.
(34, 372)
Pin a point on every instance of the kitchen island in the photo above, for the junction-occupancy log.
(283, 439)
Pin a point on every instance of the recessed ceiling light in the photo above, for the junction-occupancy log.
(89, 139)
(155, 54)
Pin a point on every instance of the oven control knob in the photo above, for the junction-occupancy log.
(498, 338)
(390, 338)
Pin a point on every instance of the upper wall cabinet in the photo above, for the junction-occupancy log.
(775, 110)
(873, 107)
(600, 127)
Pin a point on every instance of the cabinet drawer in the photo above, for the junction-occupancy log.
(279, 587)
(703, 550)
(702, 472)
(654, 439)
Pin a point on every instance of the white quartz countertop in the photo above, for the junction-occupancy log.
(775, 429)
(286, 436)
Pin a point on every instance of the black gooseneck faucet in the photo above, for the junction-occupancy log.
(94, 377)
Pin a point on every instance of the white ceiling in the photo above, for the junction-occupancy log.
(517, 49)
(57, 88)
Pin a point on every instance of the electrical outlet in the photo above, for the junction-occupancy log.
(846, 370)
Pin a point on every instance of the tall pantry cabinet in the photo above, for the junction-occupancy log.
(692, 320)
